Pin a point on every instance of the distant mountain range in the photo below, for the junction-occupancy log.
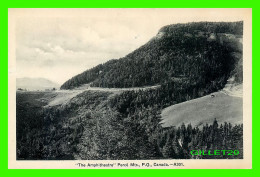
(34, 84)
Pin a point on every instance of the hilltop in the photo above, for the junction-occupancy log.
(201, 52)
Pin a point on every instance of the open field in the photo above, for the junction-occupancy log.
(204, 110)
(63, 96)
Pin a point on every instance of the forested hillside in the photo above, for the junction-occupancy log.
(100, 125)
(204, 52)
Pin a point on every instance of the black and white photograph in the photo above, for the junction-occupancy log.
(130, 85)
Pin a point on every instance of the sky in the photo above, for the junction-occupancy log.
(57, 44)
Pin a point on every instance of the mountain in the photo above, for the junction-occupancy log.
(35, 84)
(201, 52)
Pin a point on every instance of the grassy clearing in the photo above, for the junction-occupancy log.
(204, 110)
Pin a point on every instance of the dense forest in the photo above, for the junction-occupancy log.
(101, 125)
(197, 52)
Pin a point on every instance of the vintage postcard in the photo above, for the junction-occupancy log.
(130, 88)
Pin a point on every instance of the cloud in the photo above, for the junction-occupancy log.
(59, 43)
(49, 44)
